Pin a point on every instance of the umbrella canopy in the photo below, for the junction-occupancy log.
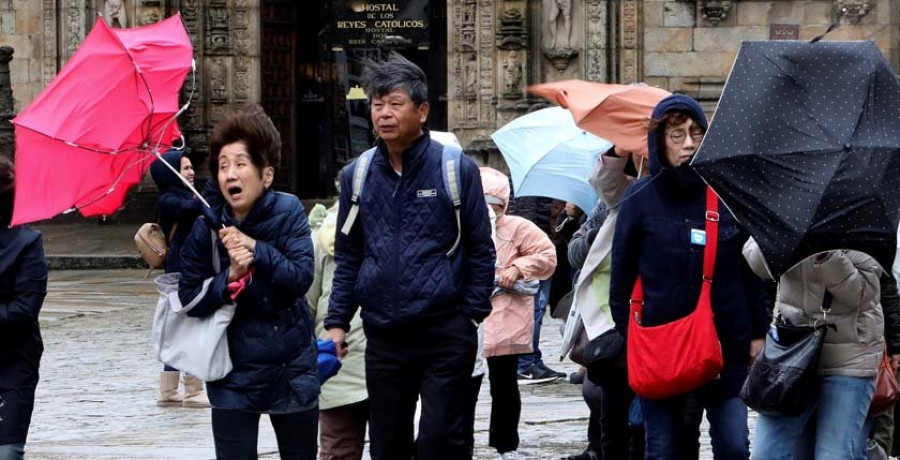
(620, 113)
(548, 155)
(91, 133)
(805, 149)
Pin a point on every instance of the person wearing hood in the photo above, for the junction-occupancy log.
(23, 286)
(652, 239)
(262, 241)
(524, 252)
(176, 209)
(605, 388)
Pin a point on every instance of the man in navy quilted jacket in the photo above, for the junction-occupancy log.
(421, 299)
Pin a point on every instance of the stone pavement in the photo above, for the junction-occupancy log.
(96, 398)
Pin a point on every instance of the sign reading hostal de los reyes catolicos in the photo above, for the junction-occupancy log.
(373, 23)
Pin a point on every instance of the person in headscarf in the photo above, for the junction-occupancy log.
(176, 209)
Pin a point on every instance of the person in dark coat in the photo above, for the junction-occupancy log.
(420, 306)
(23, 285)
(263, 241)
(652, 239)
(176, 210)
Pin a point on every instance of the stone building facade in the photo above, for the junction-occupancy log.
(483, 55)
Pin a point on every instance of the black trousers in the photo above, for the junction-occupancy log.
(469, 420)
(593, 396)
(431, 359)
(236, 433)
(506, 403)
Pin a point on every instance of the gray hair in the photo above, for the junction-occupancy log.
(395, 72)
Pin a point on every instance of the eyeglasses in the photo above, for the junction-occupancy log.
(678, 136)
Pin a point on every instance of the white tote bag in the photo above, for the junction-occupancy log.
(197, 346)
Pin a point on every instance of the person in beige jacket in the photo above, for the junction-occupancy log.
(343, 401)
(834, 425)
(524, 252)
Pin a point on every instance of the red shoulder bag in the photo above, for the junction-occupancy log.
(677, 357)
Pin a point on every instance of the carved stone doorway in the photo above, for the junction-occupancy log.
(308, 81)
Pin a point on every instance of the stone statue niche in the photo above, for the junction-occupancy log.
(115, 13)
(558, 14)
(561, 31)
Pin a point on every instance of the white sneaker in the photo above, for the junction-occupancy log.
(512, 455)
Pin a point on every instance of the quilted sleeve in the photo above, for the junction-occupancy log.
(348, 257)
(199, 284)
(288, 266)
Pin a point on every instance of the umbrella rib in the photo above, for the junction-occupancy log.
(143, 79)
(112, 186)
(72, 144)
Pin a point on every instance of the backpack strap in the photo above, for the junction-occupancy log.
(451, 158)
(360, 172)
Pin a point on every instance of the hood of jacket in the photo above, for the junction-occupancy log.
(163, 177)
(496, 186)
(683, 175)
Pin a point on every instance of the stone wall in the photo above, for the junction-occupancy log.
(20, 28)
(688, 52)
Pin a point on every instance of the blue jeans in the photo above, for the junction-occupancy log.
(12, 451)
(668, 437)
(830, 428)
(541, 299)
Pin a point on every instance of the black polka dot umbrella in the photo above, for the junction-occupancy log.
(804, 149)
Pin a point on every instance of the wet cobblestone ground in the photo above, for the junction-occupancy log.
(96, 398)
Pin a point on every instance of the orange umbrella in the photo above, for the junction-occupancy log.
(618, 113)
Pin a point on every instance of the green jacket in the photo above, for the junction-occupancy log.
(349, 385)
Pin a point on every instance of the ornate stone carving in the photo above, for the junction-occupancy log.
(597, 41)
(486, 18)
(217, 34)
(560, 59)
(73, 30)
(512, 76)
(7, 110)
(512, 34)
(218, 80)
(48, 66)
(115, 12)
(715, 11)
(471, 90)
(630, 57)
(852, 10)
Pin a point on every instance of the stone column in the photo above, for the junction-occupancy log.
(7, 110)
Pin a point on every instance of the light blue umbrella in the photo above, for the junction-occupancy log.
(548, 155)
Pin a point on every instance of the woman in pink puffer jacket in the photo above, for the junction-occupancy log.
(524, 253)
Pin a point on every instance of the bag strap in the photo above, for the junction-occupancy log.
(361, 171)
(172, 233)
(217, 265)
(451, 157)
(451, 160)
(709, 253)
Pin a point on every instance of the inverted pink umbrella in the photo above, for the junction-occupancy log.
(93, 132)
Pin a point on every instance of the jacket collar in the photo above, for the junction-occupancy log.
(258, 212)
(413, 157)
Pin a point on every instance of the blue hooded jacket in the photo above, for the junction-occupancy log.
(270, 338)
(652, 238)
(176, 207)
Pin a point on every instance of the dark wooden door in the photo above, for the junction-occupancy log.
(278, 54)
